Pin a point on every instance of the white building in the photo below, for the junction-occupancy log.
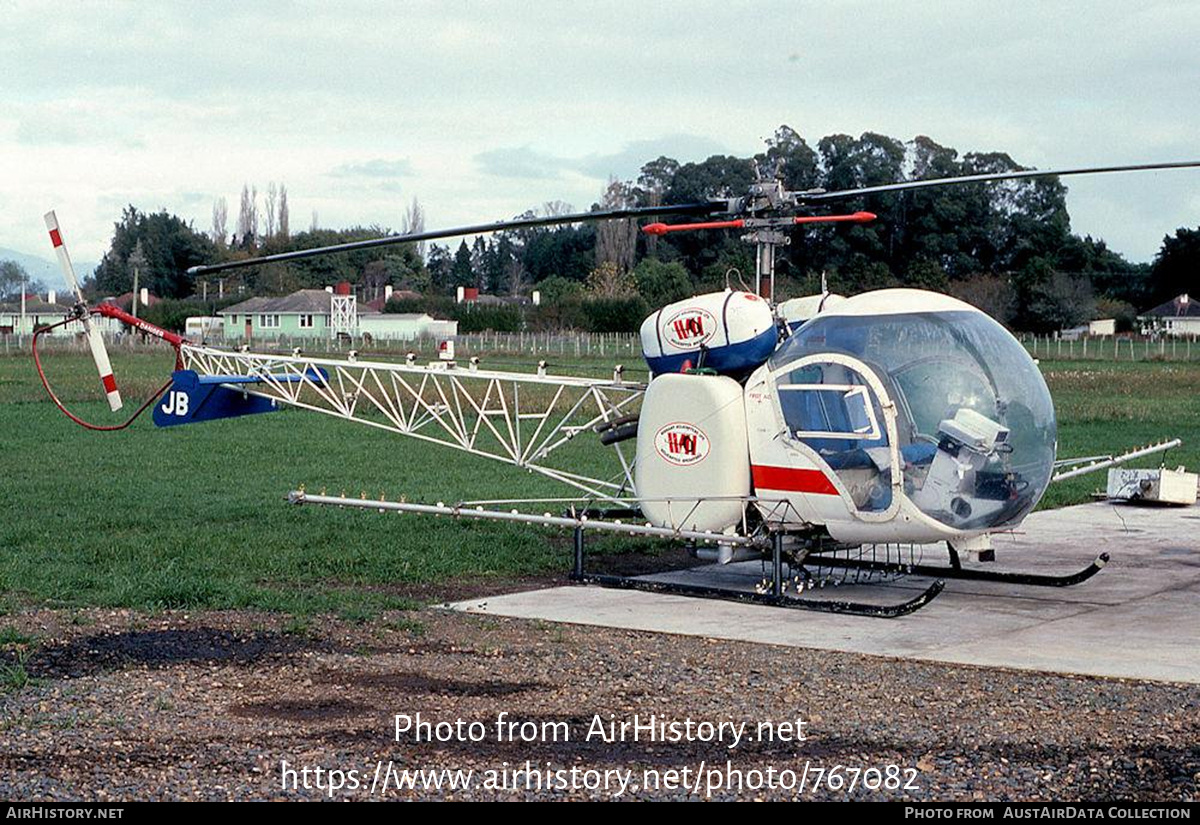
(405, 326)
(1178, 316)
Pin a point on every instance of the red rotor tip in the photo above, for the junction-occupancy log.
(655, 229)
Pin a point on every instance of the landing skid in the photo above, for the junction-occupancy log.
(957, 571)
(774, 597)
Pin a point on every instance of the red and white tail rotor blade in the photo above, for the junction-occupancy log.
(95, 340)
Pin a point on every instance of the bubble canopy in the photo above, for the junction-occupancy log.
(975, 421)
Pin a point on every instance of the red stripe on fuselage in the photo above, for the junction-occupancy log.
(792, 480)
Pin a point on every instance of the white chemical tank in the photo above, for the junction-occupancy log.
(693, 458)
(798, 310)
(735, 332)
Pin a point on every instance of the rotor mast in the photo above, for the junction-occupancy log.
(766, 193)
(765, 241)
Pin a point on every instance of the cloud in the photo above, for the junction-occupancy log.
(626, 163)
(527, 163)
(376, 168)
(522, 162)
(503, 106)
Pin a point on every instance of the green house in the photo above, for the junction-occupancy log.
(303, 314)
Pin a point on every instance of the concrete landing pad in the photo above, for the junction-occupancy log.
(1139, 618)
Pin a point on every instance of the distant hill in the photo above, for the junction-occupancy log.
(46, 270)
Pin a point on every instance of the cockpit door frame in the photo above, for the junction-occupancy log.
(886, 405)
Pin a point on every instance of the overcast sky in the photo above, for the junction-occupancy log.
(483, 110)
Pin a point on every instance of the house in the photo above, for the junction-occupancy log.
(1178, 316)
(37, 313)
(405, 326)
(318, 313)
(304, 314)
(1095, 329)
(40, 313)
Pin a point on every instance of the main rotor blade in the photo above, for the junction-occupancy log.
(805, 197)
(478, 229)
(94, 338)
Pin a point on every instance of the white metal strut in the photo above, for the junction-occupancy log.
(517, 418)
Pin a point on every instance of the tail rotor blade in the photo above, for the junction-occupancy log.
(64, 259)
(100, 356)
(95, 339)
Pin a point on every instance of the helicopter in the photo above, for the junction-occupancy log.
(817, 433)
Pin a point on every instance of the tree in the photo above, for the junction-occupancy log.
(485, 265)
(170, 246)
(930, 222)
(406, 270)
(616, 241)
(556, 290)
(652, 184)
(862, 274)
(462, 273)
(270, 206)
(400, 268)
(14, 280)
(1176, 268)
(247, 226)
(556, 208)
(1121, 312)
(565, 251)
(623, 314)
(220, 214)
(323, 270)
(662, 283)
(924, 273)
(608, 280)
(1112, 277)
(991, 293)
(654, 179)
(414, 224)
(789, 154)
(717, 176)
(441, 269)
(283, 212)
(1048, 300)
(516, 278)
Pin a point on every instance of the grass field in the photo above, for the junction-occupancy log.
(194, 516)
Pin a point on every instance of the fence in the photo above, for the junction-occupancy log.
(1109, 348)
(543, 344)
(584, 345)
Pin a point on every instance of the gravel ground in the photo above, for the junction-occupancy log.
(126, 706)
